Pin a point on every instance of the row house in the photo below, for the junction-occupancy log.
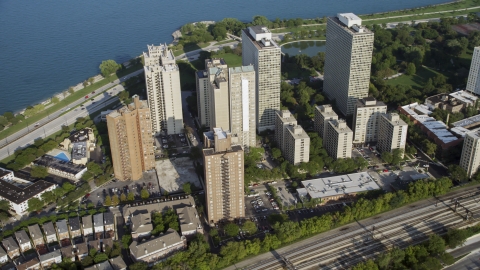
(11, 247)
(23, 240)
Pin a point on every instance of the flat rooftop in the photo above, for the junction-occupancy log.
(53, 163)
(259, 44)
(339, 185)
(242, 69)
(18, 194)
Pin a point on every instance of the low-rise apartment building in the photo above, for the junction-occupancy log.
(109, 224)
(11, 247)
(62, 229)
(157, 249)
(33, 264)
(118, 263)
(74, 227)
(23, 240)
(50, 258)
(61, 168)
(18, 191)
(141, 226)
(338, 139)
(50, 232)
(81, 250)
(190, 223)
(3, 255)
(36, 235)
(98, 226)
(87, 225)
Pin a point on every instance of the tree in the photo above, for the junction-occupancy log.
(231, 229)
(250, 227)
(3, 217)
(457, 173)
(455, 238)
(387, 157)
(436, 244)
(94, 168)
(55, 100)
(138, 266)
(87, 261)
(39, 172)
(108, 200)
(430, 148)
(71, 90)
(35, 204)
(187, 188)
(219, 32)
(4, 205)
(131, 196)
(144, 194)
(411, 69)
(100, 257)
(123, 197)
(108, 67)
(115, 200)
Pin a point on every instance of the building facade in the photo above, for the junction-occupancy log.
(470, 159)
(157, 249)
(366, 119)
(162, 78)
(392, 133)
(242, 106)
(323, 114)
(338, 139)
(224, 177)
(131, 140)
(291, 138)
(259, 50)
(212, 85)
(473, 82)
(348, 58)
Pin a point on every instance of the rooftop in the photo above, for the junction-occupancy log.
(18, 195)
(9, 244)
(29, 265)
(4, 172)
(262, 39)
(369, 102)
(142, 223)
(286, 117)
(67, 251)
(51, 162)
(108, 218)
(241, 69)
(62, 226)
(297, 132)
(87, 221)
(468, 122)
(464, 96)
(98, 220)
(35, 232)
(211, 151)
(50, 255)
(118, 263)
(170, 238)
(342, 184)
(189, 219)
(352, 23)
(326, 110)
(74, 223)
(2, 252)
(22, 237)
(48, 228)
(156, 207)
(340, 126)
(82, 248)
(100, 266)
(81, 135)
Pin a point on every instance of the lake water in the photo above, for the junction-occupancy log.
(309, 48)
(47, 46)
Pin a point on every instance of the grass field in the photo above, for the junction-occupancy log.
(190, 47)
(416, 81)
(232, 60)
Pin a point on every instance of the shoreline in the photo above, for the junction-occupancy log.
(175, 37)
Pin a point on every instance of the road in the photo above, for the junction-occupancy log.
(55, 120)
(471, 261)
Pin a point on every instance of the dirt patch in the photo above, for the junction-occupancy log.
(466, 29)
(172, 174)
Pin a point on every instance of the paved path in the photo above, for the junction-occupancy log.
(56, 120)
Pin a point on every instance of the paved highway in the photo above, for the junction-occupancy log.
(54, 121)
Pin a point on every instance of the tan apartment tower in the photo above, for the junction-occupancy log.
(131, 140)
(259, 50)
(348, 57)
(291, 138)
(162, 78)
(224, 176)
(366, 119)
(323, 114)
(470, 159)
(338, 139)
(242, 106)
(392, 133)
(205, 80)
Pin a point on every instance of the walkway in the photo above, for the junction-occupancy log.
(302, 40)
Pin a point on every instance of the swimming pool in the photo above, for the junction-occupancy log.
(62, 157)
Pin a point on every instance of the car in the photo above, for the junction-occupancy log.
(37, 124)
(385, 170)
(426, 165)
(93, 92)
(86, 97)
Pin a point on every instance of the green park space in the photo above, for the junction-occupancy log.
(417, 80)
(190, 47)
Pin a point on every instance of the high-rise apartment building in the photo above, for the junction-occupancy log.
(366, 119)
(473, 82)
(291, 138)
(470, 159)
(338, 139)
(348, 57)
(323, 114)
(220, 108)
(242, 106)
(392, 133)
(259, 50)
(131, 140)
(162, 78)
(224, 176)
(209, 86)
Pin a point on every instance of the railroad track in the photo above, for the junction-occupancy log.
(386, 234)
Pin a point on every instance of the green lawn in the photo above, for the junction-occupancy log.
(190, 47)
(416, 81)
(224, 41)
(232, 60)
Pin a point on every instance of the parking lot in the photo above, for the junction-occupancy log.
(368, 153)
(173, 173)
(149, 181)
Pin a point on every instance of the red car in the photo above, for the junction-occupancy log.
(88, 194)
(86, 97)
(385, 170)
